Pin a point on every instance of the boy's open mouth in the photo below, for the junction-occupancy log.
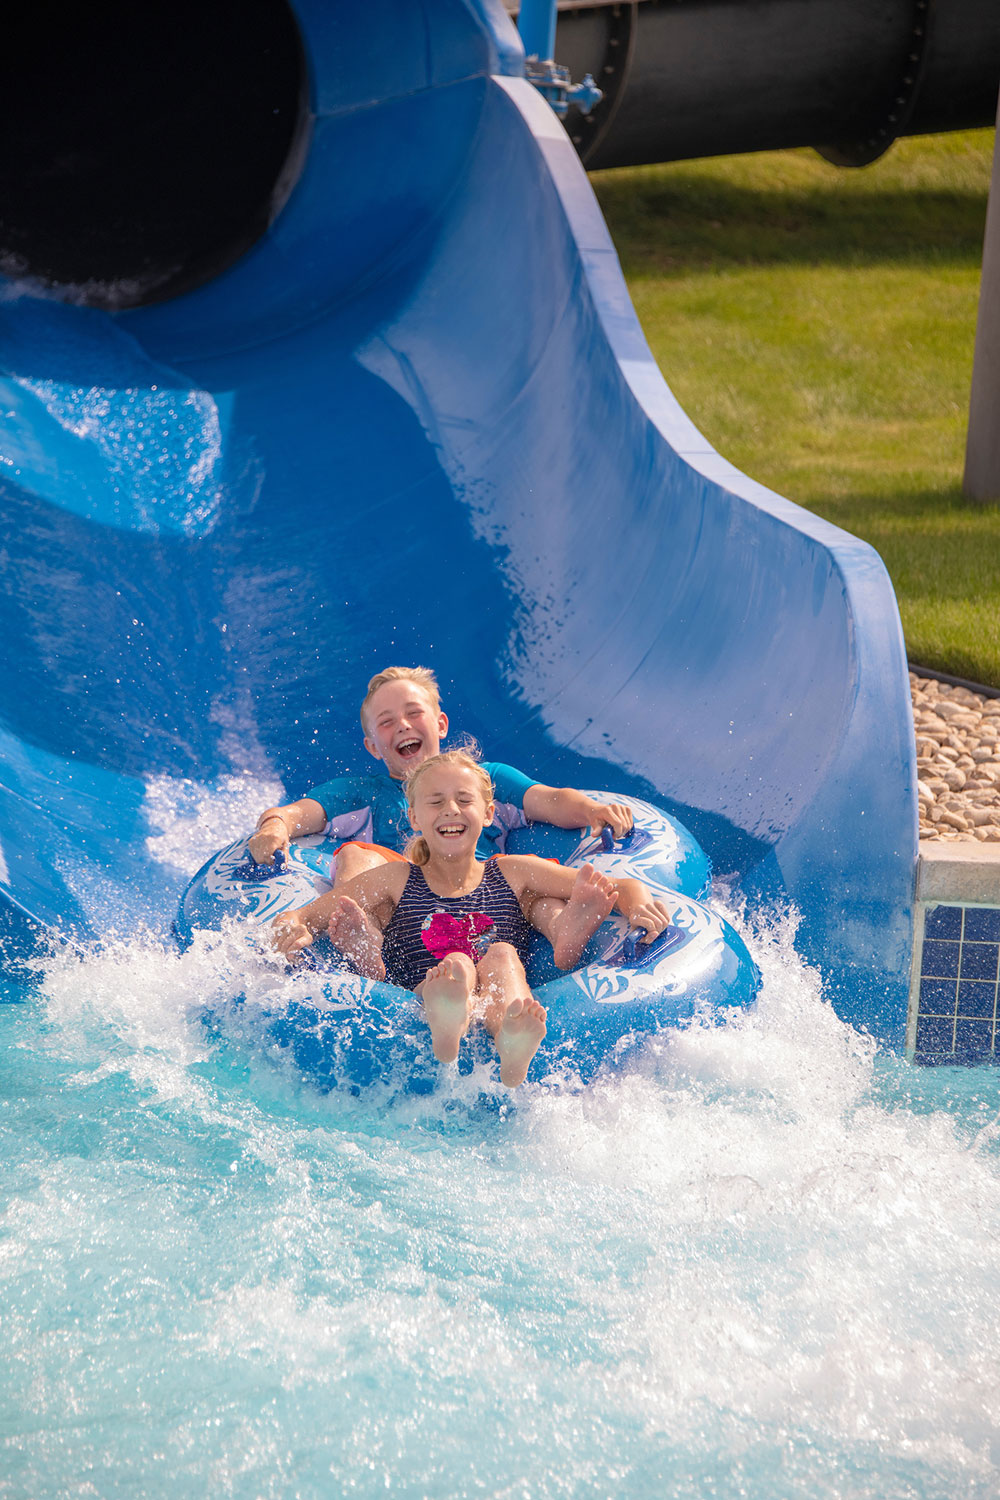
(408, 749)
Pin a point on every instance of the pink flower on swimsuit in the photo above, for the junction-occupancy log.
(471, 934)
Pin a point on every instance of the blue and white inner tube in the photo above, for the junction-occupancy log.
(340, 1029)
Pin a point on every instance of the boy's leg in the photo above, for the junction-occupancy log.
(354, 859)
(569, 925)
(591, 900)
(509, 1011)
(446, 994)
(293, 929)
(355, 934)
(350, 929)
(543, 912)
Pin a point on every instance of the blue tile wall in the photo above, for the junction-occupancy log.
(957, 1000)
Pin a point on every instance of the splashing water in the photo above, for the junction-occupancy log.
(760, 1262)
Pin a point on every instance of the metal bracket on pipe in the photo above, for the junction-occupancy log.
(536, 22)
(553, 82)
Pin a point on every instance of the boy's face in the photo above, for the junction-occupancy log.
(403, 727)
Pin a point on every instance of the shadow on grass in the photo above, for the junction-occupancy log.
(956, 661)
(693, 222)
(943, 555)
(941, 509)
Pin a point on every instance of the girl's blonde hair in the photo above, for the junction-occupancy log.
(422, 676)
(416, 850)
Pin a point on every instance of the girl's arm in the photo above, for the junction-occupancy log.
(526, 872)
(376, 891)
(636, 903)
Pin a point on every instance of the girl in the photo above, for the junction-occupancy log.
(451, 927)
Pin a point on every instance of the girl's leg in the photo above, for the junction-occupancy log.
(446, 994)
(509, 1011)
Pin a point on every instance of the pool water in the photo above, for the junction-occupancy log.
(761, 1261)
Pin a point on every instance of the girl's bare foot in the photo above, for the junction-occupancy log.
(446, 993)
(357, 938)
(518, 1039)
(592, 897)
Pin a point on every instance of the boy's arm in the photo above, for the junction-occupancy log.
(279, 825)
(567, 808)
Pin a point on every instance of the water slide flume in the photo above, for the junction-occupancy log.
(415, 420)
(344, 1030)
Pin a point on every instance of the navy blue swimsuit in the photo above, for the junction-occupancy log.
(425, 927)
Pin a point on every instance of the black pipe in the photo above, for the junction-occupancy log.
(143, 148)
(689, 78)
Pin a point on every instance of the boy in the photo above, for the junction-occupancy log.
(403, 725)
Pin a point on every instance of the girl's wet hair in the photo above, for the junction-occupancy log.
(416, 850)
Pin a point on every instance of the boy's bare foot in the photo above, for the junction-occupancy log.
(357, 938)
(518, 1039)
(592, 897)
(446, 993)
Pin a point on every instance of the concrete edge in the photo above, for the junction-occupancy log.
(962, 872)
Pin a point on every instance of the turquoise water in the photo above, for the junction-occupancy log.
(761, 1262)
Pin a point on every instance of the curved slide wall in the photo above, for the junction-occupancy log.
(417, 421)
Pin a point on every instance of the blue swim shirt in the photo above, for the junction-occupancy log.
(373, 808)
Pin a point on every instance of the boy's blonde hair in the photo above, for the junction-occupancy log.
(421, 675)
(416, 850)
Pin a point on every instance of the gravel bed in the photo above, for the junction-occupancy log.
(958, 761)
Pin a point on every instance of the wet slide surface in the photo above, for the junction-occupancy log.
(417, 421)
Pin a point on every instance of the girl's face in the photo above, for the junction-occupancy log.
(449, 810)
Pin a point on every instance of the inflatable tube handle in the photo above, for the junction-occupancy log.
(250, 870)
(635, 952)
(633, 841)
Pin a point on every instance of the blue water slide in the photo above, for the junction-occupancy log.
(417, 421)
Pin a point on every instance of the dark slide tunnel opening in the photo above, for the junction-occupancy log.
(145, 148)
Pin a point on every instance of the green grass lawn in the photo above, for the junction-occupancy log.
(818, 325)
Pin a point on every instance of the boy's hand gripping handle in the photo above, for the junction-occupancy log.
(251, 871)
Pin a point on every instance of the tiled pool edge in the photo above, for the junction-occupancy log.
(953, 1015)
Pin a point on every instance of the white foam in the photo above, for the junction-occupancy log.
(758, 1251)
(193, 818)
